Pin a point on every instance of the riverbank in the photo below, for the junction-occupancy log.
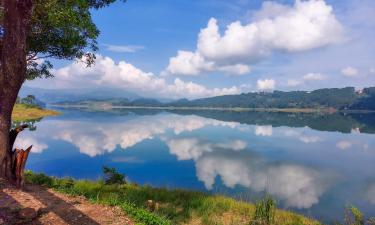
(235, 109)
(23, 112)
(159, 206)
(40, 205)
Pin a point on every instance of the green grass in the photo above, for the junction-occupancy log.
(264, 211)
(174, 206)
(22, 112)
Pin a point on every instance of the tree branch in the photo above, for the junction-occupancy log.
(40, 57)
(31, 57)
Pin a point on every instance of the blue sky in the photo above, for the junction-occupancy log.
(181, 48)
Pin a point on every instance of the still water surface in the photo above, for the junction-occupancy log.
(313, 164)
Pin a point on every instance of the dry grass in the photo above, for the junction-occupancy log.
(24, 112)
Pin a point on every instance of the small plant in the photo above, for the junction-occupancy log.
(111, 176)
(65, 183)
(38, 178)
(353, 216)
(264, 211)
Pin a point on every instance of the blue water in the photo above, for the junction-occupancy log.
(313, 164)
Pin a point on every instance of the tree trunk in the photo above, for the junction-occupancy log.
(12, 71)
(4, 143)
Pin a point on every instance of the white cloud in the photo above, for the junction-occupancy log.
(193, 63)
(292, 133)
(301, 136)
(343, 145)
(25, 140)
(313, 77)
(263, 130)
(309, 77)
(107, 73)
(309, 139)
(294, 82)
(266, 85)
(188, 63)
(236, 69)
(305, 25)
(123, 48)
(350, 71)
(355, 130)
(185, 89)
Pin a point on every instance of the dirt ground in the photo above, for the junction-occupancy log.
(39, 205)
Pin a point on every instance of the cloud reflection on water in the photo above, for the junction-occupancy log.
(298, 185)
(24, 141)
(94, 138)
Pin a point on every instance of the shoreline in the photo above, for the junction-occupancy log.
(168, 206)
(23, 112)
(235, 109)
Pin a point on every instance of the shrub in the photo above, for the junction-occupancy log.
(111, 176)
(264, 211)
(353, 216)
(65, 183)
(38, 178)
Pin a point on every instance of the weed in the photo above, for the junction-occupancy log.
(264, 211)
(353, 216)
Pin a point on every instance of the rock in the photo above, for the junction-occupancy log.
(28, 213)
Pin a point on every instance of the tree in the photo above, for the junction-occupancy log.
(32, 31)
(29, 100)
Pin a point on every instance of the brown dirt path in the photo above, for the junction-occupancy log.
(39, 205)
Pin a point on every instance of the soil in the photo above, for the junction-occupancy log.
(39, 205)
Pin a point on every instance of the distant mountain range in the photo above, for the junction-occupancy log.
(54, 96)
(336, 98)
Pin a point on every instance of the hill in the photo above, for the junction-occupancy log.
(60, 95)
(329, 98)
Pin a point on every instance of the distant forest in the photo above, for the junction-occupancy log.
(338, 98)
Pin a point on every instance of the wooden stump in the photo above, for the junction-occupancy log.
(20, 156)
(16, 159)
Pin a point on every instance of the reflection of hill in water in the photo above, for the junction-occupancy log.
(340, 122)
(322, 122)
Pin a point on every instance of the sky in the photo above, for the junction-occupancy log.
(192, 49)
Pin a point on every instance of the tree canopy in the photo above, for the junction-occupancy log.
(60, 29)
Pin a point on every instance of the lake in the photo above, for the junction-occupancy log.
(314, 164)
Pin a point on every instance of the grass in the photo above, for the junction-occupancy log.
(171, 206)
(264, 211)
(22, 112)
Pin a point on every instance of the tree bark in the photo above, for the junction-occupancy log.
(19, 161)
(12, 71)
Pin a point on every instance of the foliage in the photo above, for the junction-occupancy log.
(176, 206)
(60, 30)
(38, 178)
(143, 215)
(29, 101)
(321, 99)
(367, 100)
(353, 216)
(264, 211)
(111, 176)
